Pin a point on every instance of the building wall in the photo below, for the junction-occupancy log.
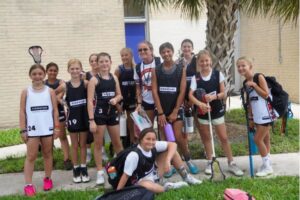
(260, 41)
(166, 25)
(65, 29)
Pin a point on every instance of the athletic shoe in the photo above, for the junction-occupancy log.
(192, 167)
(264, 171)
(68, 164)
(191, 180)
(169, 185)
(48, 184)
(29, 190)
(84, 175)
(233, 168)
(88, 156)
(76, 175)
(100, 177)
(170, 173)
(208, 168)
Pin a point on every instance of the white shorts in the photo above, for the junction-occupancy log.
(153, 177)
(217, 121)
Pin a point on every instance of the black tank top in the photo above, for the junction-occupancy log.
(88, 76)
(190, 72)
(145, 165)
(127, 85)
(213, 85)
(76, 99)
(168, 86)
(54, 86)
(105, 90)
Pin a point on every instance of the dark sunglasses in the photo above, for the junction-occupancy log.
(144, 49)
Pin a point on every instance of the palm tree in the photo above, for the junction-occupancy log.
(222, 17)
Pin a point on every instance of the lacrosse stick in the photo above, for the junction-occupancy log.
(36, 53)
(216, 171)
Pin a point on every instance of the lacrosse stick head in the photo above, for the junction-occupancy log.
(200, 96)
(36, 53)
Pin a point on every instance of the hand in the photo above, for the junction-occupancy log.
(173, 116)
(251, 84)
(93, 126)
(56, 133)
(113, 101)
(138, 108)
(205, 108)
(24, 137)
(162, 121)
(167, 166)
(209, 98)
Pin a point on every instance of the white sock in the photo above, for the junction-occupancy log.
(76, 166)
(83, 165)
(266, 161)
(88, 151)
(209, 161)
(103, 150)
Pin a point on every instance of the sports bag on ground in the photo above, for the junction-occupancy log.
(280, 98)
(135, 192)
(237, 194)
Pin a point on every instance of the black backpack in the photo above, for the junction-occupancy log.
(135, 192)
(119, 162)
(280, 99)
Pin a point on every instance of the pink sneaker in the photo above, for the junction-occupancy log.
(48, 184)
(29, 190)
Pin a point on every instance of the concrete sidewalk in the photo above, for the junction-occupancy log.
(283, 165)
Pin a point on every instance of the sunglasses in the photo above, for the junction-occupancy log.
(144, 49)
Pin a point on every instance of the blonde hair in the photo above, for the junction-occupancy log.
(248, 60)
(74, 61)
(202, 53)
(128, 50)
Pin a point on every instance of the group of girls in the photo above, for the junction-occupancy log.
(165, 90)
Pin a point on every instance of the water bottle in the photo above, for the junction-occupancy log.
(123, 126)
(169, 132)
(188, 122)
(112, 172)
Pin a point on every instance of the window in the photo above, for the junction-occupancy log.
(134, 9)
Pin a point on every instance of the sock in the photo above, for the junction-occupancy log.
(103, 150)
(182, 172)
(209, 161)
(187, 158)
(76, 166)
(266, 160)
(83, 165)
(88, 151)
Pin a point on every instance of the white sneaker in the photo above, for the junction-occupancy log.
(169, 185)
(100, 177)
(192, 180)
(208, 168)
(264, 171)
(233, 168)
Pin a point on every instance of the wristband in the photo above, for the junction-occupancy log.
(56, 129)
(92, 119)
(139, 103)
(160, 114)
(23, 131)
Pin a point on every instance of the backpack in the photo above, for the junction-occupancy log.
(237, 194)
(135, 192)
(119, 162)
(280, 97)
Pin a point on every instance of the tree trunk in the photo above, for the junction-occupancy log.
(221, 26)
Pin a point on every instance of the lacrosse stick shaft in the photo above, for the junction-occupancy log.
(211, 134)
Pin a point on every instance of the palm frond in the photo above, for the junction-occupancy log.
(288, 10)
(191, 9)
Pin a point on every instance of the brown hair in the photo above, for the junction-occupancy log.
(102, 54)
(165, 45)
(74, 61)
(93, 54)
(51, 64)
(144, 132)
(36, 66)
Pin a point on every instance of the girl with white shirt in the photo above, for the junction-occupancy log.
(151, 159)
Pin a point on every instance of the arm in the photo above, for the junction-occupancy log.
(22, 116)
(180, 98)
(138, 91)
(118, 96)
(160, 112)
(261, 88)
(90, 97)
(60, 95)
(117, 73)
(123, 181)
(55, 114)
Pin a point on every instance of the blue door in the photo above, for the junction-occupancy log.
(134, 33)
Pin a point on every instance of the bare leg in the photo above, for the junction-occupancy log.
(181, 139)
(82, 141)
(114, 133)
(98, 143)
(47, 151)
(130, 125)
(261, 133)
(64, 141)
(151, 115)
(221, 132)
(206, 139)
(32, 152)
(74, 144)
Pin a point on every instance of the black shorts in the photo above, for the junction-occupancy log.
(90, 138)
(266, 124)
(129, 107)
(41, 136)
(148, 106)
(111, 120)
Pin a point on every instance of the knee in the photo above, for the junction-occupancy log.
(31, 157)
(224, 140)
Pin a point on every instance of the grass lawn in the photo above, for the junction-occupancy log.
(10, 137)
(266, 189)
